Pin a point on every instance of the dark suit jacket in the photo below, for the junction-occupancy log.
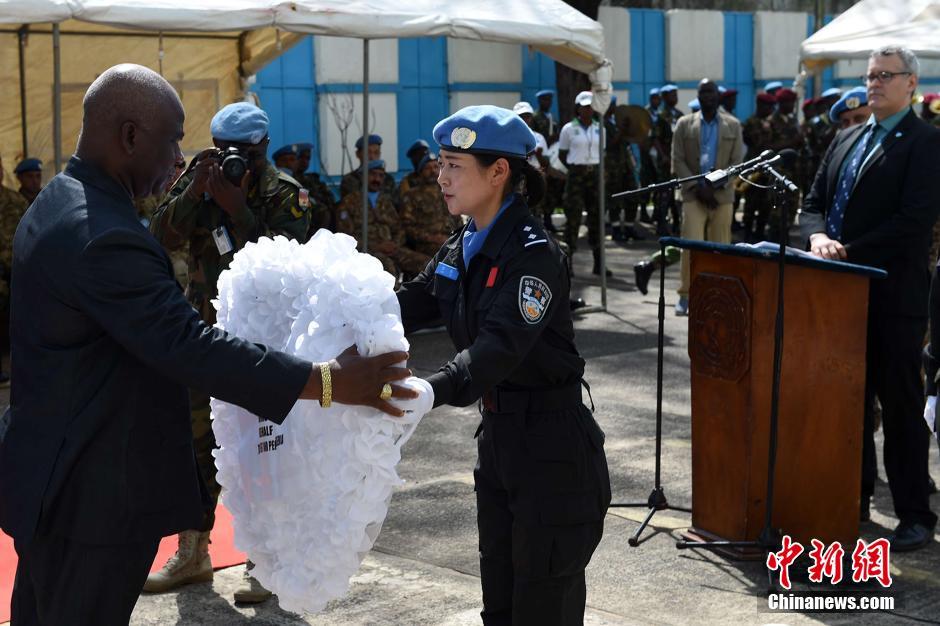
(98, 446)
(891, 211)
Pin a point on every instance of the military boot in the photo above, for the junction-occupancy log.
(251, 591)
(190, 564)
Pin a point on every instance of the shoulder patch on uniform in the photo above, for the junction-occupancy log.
(531, 233)
(534, 297)
(303, 197)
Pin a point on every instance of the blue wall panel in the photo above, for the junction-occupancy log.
(647, 54)
(538, 72)
(422, 95)
(739, 60)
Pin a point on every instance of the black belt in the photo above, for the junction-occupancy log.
(534, 400)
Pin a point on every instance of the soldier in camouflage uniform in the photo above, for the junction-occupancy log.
(216, 218)
(664, 201)
(785, 134)
(352, 182)
(416, 153)
(543, 121)
(620, 175)
(322, 200)
(12, 207)
(424, 214)
(818, 133)
(757, 134)
(386, 235)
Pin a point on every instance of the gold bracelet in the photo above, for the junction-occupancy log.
(326, 399)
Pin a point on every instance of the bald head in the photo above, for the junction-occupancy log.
(131, 127)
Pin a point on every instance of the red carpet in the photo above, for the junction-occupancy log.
(222, 550)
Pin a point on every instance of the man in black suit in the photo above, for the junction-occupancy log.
(96, 453)
(874, 201)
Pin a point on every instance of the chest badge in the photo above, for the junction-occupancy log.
(534, 297)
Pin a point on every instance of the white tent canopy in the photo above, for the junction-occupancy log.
(873, 23)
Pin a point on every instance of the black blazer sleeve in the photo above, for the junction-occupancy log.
(932, 351)
(121, 280)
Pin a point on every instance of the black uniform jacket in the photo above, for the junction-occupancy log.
(508, 313)
(98, 446)
(890, 213)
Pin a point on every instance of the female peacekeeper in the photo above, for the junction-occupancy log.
(502, 287)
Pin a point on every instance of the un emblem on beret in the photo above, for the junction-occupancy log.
(463, 137)
(853, 103)
(534, 296)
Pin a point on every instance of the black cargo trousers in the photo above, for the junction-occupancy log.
(542, 489)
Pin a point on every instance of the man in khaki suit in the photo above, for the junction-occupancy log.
(706, 140)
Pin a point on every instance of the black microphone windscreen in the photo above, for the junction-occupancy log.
(788, 157)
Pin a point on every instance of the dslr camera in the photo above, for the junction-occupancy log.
(233, 164)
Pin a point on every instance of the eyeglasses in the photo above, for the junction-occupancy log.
(884, 77)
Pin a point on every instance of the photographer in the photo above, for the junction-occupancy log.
(230, 195)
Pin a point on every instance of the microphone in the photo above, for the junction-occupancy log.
(718, 178)
(787, 158)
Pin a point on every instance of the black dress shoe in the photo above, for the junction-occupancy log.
(908, 537)
(577, 303)
(642, 272)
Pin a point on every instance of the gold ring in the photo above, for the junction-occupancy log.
(386, 392)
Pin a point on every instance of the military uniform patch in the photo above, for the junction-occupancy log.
(304, 198)
(534, 296)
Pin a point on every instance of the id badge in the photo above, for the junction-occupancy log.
(223, 242)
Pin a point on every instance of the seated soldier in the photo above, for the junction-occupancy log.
(324, 202)
(386, 236)
(353, 180)
(415, 154)
(424, 214)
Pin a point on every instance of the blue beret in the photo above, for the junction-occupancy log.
(654, 91)
(544, 92)
(722, 89)
(772, 85)
(613, 100)
(667, 88)
(241, 122)
(485, 129)
(28, 165)
(376, 164)
(418, 145)
(832, 91)
(850, 100)
(425, 160)
(284, 151)
(374, 140)
(694, 105)
(302, 147)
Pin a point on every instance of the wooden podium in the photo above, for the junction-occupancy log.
(732, 312)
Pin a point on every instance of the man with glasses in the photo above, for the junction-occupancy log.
(215, 217)
(874, 203)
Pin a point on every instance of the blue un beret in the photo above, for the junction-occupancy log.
(654, 91)
(425, 160)
(544, 92)
(485, 129)
(374, 140)
(694, 105)
(419, 144)
(772, 86)
(668, 88)
(850, 100)
(832, 91)
(241, 122)
(284, 151)
(376, 164)
(28, 165)
(302, 147)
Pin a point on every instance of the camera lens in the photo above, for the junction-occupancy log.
(234, 168)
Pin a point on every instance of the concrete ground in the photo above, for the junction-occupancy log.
(424, 570)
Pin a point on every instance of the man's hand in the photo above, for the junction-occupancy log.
(232, 199)
(201, 172)
(706, 195)
(358, 380)
(822, 246)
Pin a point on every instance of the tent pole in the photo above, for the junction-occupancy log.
(22, 49)
(365, 145)
(602, 209)
(56, 98)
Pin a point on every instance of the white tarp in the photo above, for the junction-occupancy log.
(873, 23)
(209, 47)
(550, 26)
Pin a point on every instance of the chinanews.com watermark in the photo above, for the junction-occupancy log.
(870, 563)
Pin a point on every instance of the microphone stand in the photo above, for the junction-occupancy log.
(770, 538)
(657, 500)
